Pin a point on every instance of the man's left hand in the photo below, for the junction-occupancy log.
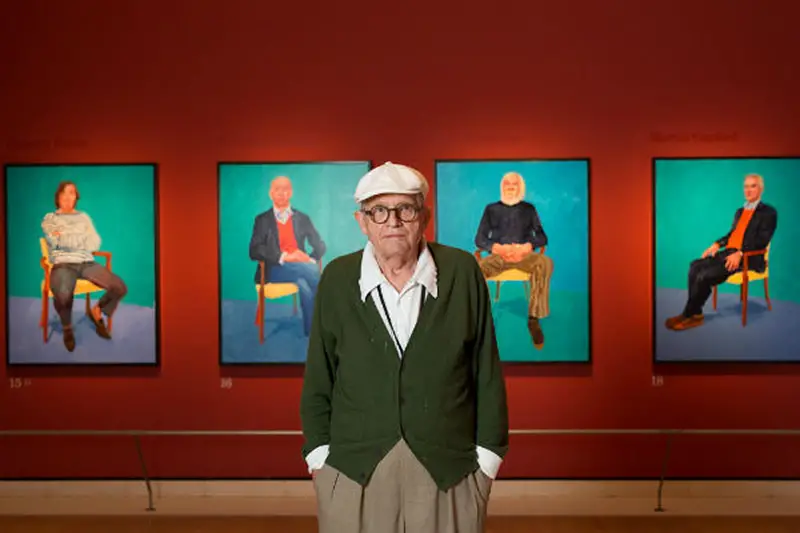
(302, 257)
(733, 260)
(297, 256)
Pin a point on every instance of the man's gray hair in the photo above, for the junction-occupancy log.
(759, 179)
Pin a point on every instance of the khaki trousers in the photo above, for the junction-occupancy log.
(539, 266)
(401, 497)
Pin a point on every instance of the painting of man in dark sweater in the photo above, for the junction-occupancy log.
(526, 223)
(512, 234)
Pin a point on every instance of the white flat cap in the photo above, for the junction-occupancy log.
(391, 178)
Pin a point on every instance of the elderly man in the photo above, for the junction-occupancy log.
(753, 227)
(510, 230)
(404, 404)
(279, 240)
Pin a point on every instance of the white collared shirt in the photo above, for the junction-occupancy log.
(403, 307)
(282, 215)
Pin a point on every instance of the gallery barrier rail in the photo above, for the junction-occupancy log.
(670, 434)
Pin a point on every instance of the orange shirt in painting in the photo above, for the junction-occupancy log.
(735, 240)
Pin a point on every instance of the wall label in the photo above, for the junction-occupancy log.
(694, 137)
(42, 144)
(19, 383)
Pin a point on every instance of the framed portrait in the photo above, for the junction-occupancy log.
(82, 264)
(726, 234)
(527, 223)
(279, 224)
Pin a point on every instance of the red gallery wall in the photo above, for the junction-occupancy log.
(189, 84)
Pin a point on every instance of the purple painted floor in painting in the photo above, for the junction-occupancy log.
(133, 342)
(768, 335)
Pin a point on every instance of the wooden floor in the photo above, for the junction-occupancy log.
(497, 524)
(289, 507)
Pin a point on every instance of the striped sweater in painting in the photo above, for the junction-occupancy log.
(76, 239)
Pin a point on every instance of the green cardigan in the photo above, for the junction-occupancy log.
(445, 396)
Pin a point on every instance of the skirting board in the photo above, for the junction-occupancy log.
(296, 498)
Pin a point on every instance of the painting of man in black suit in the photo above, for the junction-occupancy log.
(281, 239)
(753, 227)
(511, 231)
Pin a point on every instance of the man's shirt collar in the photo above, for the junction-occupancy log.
(282, 215)
(425, 273)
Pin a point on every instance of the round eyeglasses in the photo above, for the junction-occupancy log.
(380, 213)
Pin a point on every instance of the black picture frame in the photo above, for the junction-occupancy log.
(656, 323)
(588, 362)
(222, 362)
(156, 362)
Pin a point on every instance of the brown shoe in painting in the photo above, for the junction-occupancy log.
(670, 323)
(689, 323)
(681, 323)
(69, 338)
(535, 329)
(99, 325)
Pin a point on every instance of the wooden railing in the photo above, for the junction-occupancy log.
(136, 435)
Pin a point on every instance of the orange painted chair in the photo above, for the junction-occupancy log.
(743, 279)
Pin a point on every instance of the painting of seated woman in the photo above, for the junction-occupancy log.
(81, 262)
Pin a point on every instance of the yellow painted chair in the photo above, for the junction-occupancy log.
(81, 287)
(512, 274)
(743, 278)
(273, 291)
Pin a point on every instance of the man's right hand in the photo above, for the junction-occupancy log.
(711, 251)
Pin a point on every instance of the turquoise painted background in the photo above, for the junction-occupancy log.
(120, 199)
(560, 192)
(324, 191)
(695, 200)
